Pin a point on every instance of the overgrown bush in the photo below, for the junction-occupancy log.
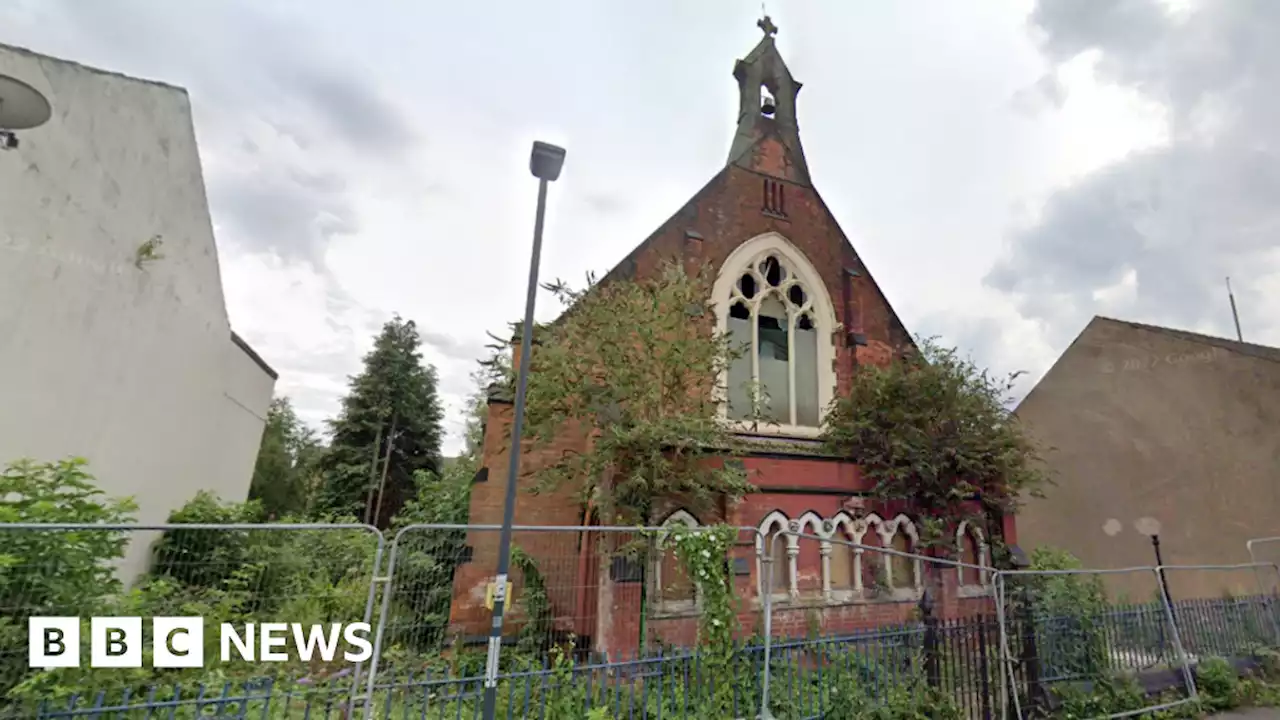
(1067, 611)
(933, 429)
(206, 558)
(1219, 688)
(244, 575)
(635, 365)
(427, 558)
(1105, 697)
(53, 572)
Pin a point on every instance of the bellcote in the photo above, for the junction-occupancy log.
(768, 137)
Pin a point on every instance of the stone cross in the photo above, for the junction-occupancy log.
(767, 26)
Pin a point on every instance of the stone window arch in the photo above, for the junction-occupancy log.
(870, 566)
(673, 590)
(810, 556)
(784, 549)
(842, 562)
(973, 550)
(772, 304)
(903, 575)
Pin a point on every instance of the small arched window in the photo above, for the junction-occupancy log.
(873, 578)
(842, 564)
(810, 567)
(775, 310)
(972, 545)
(672, 587)
(776, 547)
(905, 576)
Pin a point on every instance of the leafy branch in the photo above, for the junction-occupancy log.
(933, 429)
(632, 369)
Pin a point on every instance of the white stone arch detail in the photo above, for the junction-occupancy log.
(855, 529)
(682, 518)
(842, 529)
(903, 524)
(866, 523)
(773, 523)
(899, 523)
(810, 524)
(824, 317)
(984, 560)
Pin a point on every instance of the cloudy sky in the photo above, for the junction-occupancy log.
(1006, 168)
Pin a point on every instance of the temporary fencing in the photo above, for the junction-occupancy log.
(1071, 630)
(850, 624)
(226, 573)
(1239, 622)
(597, 616)
(830, 617)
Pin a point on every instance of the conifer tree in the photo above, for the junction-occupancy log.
(283, 476)
(389, 428)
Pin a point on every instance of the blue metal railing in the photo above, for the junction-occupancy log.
(807, 674)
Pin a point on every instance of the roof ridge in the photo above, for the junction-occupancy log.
(90, 68)
(1265, 352)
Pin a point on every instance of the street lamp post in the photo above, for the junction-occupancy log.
(545, 163)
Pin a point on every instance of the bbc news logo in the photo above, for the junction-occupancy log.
(178, 642)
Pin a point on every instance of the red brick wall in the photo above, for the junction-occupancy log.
(620, 621)
(727, 212)
(557, 552)
(724, 214)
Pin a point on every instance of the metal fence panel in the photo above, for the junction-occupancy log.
(853, 624)
(605, 617)
(597, 616)
(1263, 550)
(1066, 632)
(235, 573)
(1224, 611)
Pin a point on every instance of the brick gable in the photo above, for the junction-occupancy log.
(763, 188)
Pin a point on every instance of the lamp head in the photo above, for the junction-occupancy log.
(546, 160)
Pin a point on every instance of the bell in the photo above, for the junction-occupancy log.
(767, 107)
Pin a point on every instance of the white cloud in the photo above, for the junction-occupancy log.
(1150, 234)
(373, 162)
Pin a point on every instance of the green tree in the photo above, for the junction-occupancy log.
(933, 429)
(427, 558)
(284, 476)
(389, 429)
(635, 366)
(53, 572)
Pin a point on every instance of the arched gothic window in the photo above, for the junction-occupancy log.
(776, 312)
(780, 551)
(811, 567)
(973, 551)
(906, 574)
(853, 567)
(672, 587)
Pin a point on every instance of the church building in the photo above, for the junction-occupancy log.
(789, 283)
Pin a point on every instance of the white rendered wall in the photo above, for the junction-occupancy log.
(133, 369)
